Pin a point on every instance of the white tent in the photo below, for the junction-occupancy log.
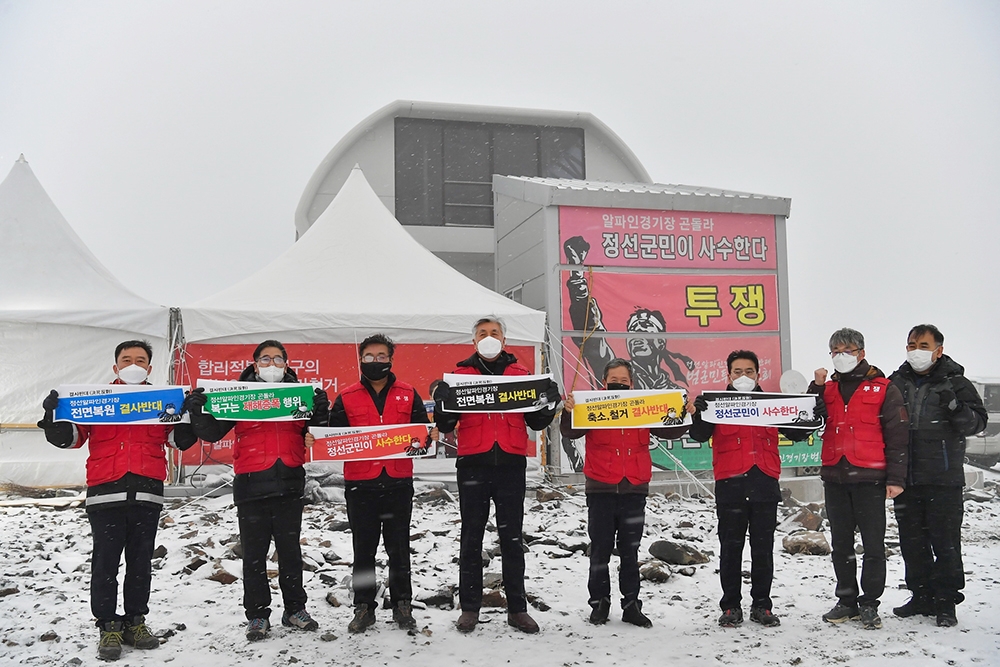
(356, 269)
(61, 315)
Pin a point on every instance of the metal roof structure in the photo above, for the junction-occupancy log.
(568, 192)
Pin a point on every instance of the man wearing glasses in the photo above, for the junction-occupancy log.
(944, 408)
(379, 494)
(864, 462)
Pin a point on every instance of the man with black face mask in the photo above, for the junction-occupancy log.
(379, 494)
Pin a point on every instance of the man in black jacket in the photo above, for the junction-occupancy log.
(944, 408)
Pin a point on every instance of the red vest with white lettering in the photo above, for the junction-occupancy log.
(260, 444)
(737, 448)
(117, 450)
(361, 411)
(615, 454)
(855, 430)
(479, 430)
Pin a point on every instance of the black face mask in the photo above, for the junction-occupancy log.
(617, 386)
(376, 370)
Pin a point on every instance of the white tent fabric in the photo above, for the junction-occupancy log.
(356, 269)
(61, 315)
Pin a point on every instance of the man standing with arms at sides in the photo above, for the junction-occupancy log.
(492, 457)
(126, 467)
(944, 408)
(746, 466)
(864, 462)
(379, 493)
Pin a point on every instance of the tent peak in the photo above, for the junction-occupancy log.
(21, 159)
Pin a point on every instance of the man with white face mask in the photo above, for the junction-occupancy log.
(126, 467)
(492, 451)
(944, 408)
(746, 466)
(864, 462)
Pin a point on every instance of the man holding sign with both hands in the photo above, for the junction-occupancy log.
(379, 493)
(618, 469)
(126, 467)
(492, 451)
(267, 459)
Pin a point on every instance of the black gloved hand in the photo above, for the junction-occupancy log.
(552, 394)
(701, 403)
(441, 392)
(50, 404)
(321, 408)
(948, 400)
(194, 401)
(819, 412)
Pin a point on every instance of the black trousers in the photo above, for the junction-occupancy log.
(261, 521)
(735, 519)
(611, 518)
(504, 485)
(132, 529)
(373, 510)
(860, 507)
(930, 540)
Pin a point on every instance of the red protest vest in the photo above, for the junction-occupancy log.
(737, 448)
(479, 430)
(855, 431)
(260, 444)
(616, 454)
(117, 450)
(361, 411)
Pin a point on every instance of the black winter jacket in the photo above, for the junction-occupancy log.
(938, 428)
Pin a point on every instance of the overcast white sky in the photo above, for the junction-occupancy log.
(177, 137)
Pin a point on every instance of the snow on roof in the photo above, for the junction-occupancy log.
(572, 192)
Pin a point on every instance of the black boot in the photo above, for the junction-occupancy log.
(601, 611)
(919, 605)
(945, 610)
(110, 646)
(632, 613)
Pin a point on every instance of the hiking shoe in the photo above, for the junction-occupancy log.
(110, 646)
(870, 618)
(364, 618)
(300, 619)
(632, 613)
(402, 613)
(467, 621)
(138, 635)
(731, 617)
(522, 621)
(764, 617)
(841, 613)
(945, 614)
(600, 612)
(257, 629)
(917, 606)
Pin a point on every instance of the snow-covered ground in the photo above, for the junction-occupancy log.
(45, 553)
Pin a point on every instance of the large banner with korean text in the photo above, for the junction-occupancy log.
(674, 292)
(332, 366)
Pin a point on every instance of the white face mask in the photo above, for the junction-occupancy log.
(489, 347)
(133, 374)
(270, 373)
(920, 360)
(845, 362)
(743, 384)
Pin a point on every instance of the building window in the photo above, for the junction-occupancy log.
(444, 169)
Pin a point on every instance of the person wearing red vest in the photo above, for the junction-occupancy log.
(864, 463)
(618, 468)
(126, 467)
(492, 457)
(267, 459)
(379, 494)
(746, 467)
